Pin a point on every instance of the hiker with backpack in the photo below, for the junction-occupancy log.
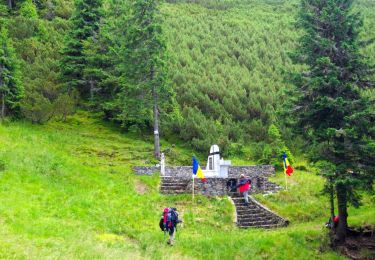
(244, 186)
(168, 223)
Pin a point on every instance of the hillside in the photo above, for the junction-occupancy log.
(227, 65)
(67, 191)
(78, 82)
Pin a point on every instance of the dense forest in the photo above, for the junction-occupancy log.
(225, 81)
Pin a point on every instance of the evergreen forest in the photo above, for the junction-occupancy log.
(91, 88)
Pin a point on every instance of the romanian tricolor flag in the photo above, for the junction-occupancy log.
(197, 171)
(288, 170)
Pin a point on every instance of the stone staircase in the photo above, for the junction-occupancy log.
(255, 215)
(173, 185)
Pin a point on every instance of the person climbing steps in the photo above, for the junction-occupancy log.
(244, 187)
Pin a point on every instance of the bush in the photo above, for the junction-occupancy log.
(40, 109)
(37, 108)
(2, 165)
(64, 106)
(273, 150)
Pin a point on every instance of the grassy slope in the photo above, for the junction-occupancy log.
(67, 191)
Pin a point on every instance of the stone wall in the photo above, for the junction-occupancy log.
(186, 171)
(251, 171)
(146, 170)
(212, 187)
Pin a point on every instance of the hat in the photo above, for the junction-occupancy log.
(242, 176)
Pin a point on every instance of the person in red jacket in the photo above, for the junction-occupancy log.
(244, 186)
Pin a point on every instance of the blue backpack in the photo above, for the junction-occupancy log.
(169, 219)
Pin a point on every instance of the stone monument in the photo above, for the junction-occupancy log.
(216, 167)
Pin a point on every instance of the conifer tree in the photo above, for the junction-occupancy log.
(336, 118)
(145, 87)
(85, 24)
(10, 86)
(104, 65)
(10, 4)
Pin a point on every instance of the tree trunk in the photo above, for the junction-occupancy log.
(2, 106)
(331, 199)
(10, 4)
(91, 82)
(156, 120)
(343, 215)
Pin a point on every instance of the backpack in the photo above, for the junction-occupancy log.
(169, 219)
(246, 186)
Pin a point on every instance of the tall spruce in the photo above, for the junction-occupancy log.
(104, 63)
(10, 4)
(145, 87)
(85, 24)
(333, 114)
(10, 85)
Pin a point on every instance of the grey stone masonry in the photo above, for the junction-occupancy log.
(255, 215)
(214, 186)
(186, 171)
(251, 171)
(146, 170)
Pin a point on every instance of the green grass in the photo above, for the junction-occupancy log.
(67, 191)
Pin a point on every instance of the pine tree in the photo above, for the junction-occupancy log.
(10, 86)
(145, 88)
(10, 4)
(336, 118)
(85, 24)
(103, 68)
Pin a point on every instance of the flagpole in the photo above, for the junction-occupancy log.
(193, 188)
(284, 166)
(286, 182)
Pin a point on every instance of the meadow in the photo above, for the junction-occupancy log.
(67, 191)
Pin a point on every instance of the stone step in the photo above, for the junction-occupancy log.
(238, 199)
(245, 207)
(256, 215)
(173, 185)
(243, 204)
(256, 220)
(173, 179)
(173, 191)
(184, 182)
(244, 210)
(257, 223)
(260, 226)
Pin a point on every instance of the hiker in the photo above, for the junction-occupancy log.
(168, 223)
(244, 186)
(333, 223)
